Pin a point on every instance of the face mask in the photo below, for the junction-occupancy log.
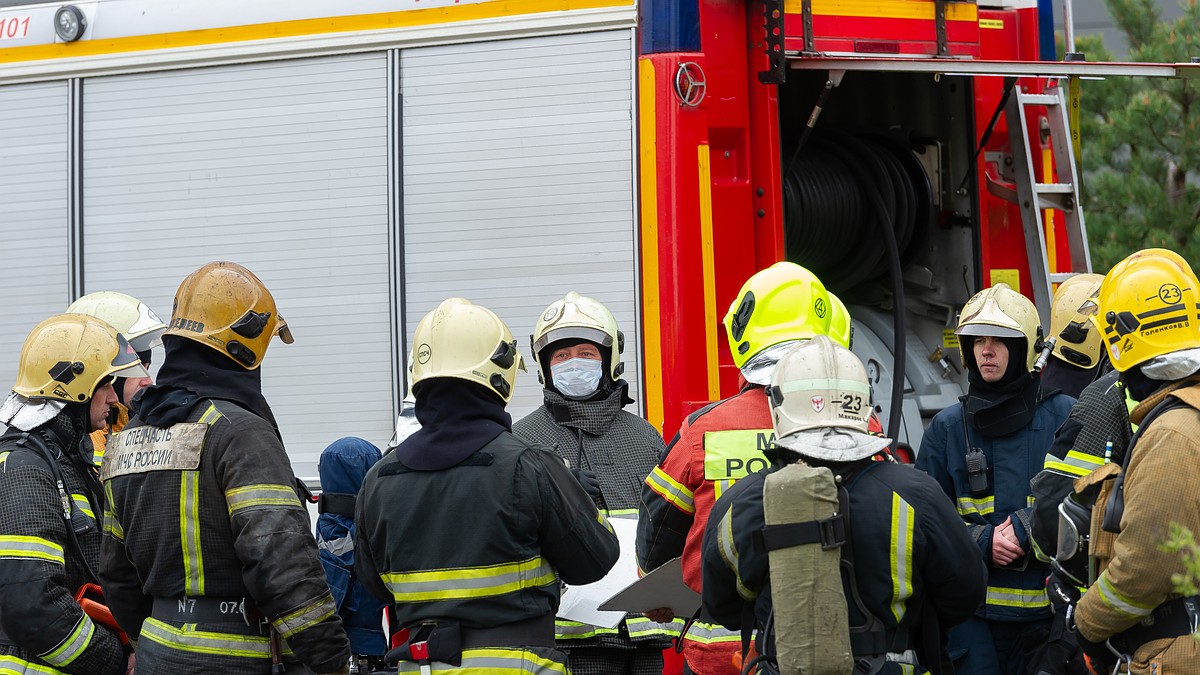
(577, 378)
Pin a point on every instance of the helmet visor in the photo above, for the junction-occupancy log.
(988, 330)
(572, 333)
(127, 363)
(284, 332)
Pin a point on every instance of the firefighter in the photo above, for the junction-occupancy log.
(577, 348)
(916, 571)
(1148, 314)
(138, 324)
(983, 451)
(208, 560)
(342, 467)
(1077, 357)
(465, 529)
(50, 498)
(724, 441)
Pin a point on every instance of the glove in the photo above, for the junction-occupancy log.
(1099, 658)
(1061, 592)
(589, 481)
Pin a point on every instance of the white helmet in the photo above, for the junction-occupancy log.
(130, 316)
(581, 318)
(463, 340)
(821, 403)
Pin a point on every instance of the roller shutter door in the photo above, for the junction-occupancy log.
(33, 214)
(282, 167)
(518, 182)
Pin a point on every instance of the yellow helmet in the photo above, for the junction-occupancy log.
(467, 341)
(66, 357)
(1000, 311)
(581, 318)
(132, 318)
(1069, 324)
(1148, 307)
(223, 306)
(840, 330)
(781, 303)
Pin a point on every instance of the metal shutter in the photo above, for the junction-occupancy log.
(33, 214)
(282, 167)
(518, 182)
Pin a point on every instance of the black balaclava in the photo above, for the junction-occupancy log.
(1003, 407)
(1139, 386)
(190, 372)
(1068, 378)
(606, 386)
(69, 427)
(457, 417)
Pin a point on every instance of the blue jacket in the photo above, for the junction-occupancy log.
(342, 467)
(1016, 592)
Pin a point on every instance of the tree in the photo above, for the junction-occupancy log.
(1140, 141)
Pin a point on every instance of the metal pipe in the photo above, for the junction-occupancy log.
(1069, 26)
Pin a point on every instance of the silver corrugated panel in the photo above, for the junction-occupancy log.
(34, 218)
(282, 167)
(518, 182)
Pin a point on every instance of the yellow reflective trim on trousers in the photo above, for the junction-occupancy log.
(640, 626)
(81, 502)
(565, 629)
(671, 490)
(36, 548)
(710, 633)
(983, 506)
(1119, 602)
(112, 526)
(188, 639)
(469, 582)
(903, 521)
(261, 495)
(210, 416)
(11, 665)
(73, 645)
(727, 547)
(305, 617)
(189, 532)
(730, 455)
(1017, 597)
(496, 661)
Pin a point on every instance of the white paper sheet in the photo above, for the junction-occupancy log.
(581, 603)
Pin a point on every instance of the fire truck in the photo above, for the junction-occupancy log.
(370, 159)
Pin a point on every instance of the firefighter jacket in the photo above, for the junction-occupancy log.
(1160, 488)
(717, 445)
(621, 449)
(481, 543)
(1016, 592)
(913, 562)
(116, 422)
(42, 628)
(1099, 417)
(203, 513)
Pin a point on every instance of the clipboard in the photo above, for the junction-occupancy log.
(662, 587)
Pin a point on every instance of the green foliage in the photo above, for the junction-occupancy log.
(1140, 141)
(1181, 540)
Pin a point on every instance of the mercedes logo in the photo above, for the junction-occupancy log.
(689, 84)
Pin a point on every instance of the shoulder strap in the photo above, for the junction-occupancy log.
(1115, 507)
(40, 448)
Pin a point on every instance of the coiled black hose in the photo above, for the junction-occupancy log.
(854, 209)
